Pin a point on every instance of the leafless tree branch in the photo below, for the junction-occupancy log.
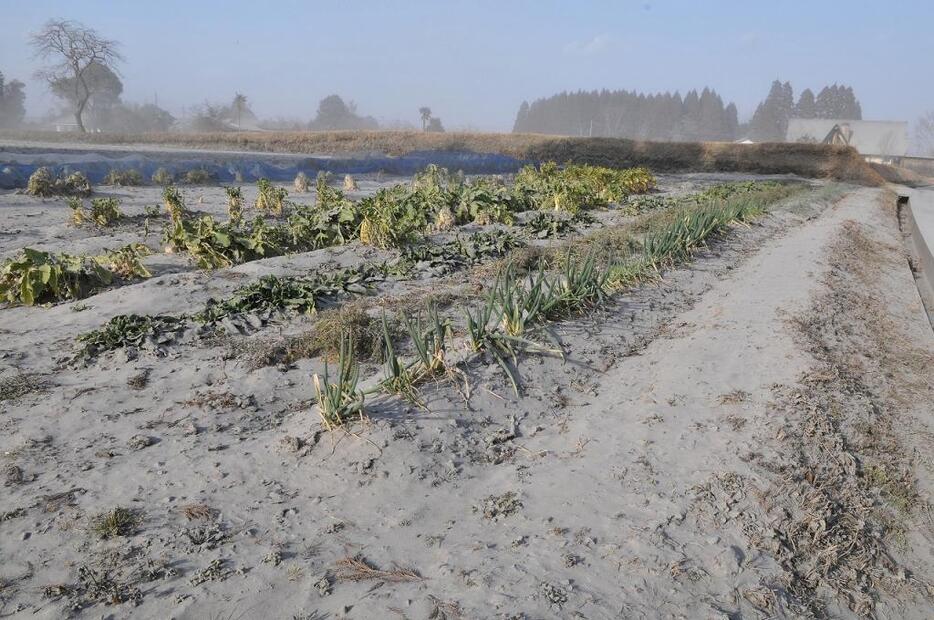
(73, 48)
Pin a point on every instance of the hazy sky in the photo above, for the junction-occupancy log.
(474, 62)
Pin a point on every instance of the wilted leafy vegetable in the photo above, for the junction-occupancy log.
(270, 199)
(546, 224)
(36, 277)
(199, 176)
(393, 217)
(123, 177)
(234, 205)
(126, 262)
(301, 183)
(130, 330)
(301, 294)
(163, 177)
(212, 244)
(43, 183)
(457, 254)
(104, 211)
(173, 201)
(578, 187)
(484, 201)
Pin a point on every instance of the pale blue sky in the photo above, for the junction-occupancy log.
(474, 62)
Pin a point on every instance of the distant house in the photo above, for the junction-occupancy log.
(874, 139)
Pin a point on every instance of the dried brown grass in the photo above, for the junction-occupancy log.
(359, 569)
(198, 512)
(848, 494)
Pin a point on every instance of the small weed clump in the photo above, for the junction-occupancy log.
(79, 215)
(359, 569)
(324, 339)
(119, 522)
(350, 322)
(44, 184)
(15, 386)
(123, 178)
(105, 211)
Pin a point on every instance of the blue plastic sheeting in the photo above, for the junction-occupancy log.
(15, 168)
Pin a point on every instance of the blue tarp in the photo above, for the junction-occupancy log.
(15, 167)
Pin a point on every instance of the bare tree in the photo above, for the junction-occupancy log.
(924, 135)
(73, 48)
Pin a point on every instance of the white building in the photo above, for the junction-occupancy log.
(878, 139)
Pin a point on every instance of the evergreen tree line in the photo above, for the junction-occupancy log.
(770, 121)
(628, 114)
(669, 117)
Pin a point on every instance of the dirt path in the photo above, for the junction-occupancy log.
(685, 446)
(678, 450)
(750, 438)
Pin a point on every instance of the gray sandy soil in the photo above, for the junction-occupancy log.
(750, 437)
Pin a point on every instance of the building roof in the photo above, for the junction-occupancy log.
(867, 137)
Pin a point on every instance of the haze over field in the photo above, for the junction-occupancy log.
(474, 63)
(458, 309)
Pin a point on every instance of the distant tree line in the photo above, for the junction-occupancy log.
(669, 117)
(629, 114)
(770, 121)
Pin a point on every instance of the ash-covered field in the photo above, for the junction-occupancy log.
(448, 397)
